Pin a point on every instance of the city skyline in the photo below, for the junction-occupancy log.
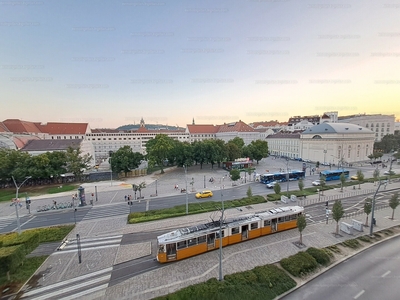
(111, 64)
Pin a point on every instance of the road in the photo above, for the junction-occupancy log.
(67, 216)
(372, 274)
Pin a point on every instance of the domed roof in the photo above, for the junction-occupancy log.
(336, 128)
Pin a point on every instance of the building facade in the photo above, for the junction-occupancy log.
(380, 124)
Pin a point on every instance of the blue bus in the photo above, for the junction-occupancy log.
(334, 174)
(282, 176)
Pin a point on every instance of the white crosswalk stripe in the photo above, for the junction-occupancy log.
(4, 222)
(72, 288)
(90, 244)
(107, 211)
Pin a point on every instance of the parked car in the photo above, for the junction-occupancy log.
(204, 194)
(354, 177)
(316, 182)
(271, 184)
(389, 173)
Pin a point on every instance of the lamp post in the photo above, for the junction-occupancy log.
(110, 155)
(373, 207)
(186, 190)
(220, 239)
(319, 196)
(156, 188)
(16, 200)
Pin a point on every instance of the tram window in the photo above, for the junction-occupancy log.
(201, 239)
(223, 233)
(281, 220)
(181, 245)
(287, 218)
(235, 230)
(293, 217)
(192, 242)
(253, 226)
(267, 223)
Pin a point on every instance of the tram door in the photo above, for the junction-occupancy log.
(171, 252)
(245, 232)
(274, 225)
(210, 241)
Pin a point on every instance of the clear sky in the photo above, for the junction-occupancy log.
(109, 63)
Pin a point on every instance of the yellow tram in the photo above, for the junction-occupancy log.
(186, 242)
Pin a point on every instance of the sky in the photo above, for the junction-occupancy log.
(111, 63)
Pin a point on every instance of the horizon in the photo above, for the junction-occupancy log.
(108, 64)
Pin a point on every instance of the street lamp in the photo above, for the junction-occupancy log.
(186, 190)
(110, 153)
(156, 188)
(16, 200)
(220, 239)
(373, 207)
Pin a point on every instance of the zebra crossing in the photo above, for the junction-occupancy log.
(106, 211)
(91, 244)
(94, 283)
(6, 221)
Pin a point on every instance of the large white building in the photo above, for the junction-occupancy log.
(336, 143)
(380, 124)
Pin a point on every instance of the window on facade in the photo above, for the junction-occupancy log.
(383, 124)
(366, 125)
(377, 129)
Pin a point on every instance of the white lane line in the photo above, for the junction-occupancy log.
(66, 282)
(89, 291)
(386, 274)
(359, 294)
(85, 249)
(75, 287)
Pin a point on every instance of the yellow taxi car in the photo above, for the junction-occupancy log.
(354, 177)
(204, 194)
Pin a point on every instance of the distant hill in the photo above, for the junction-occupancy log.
(149, 127)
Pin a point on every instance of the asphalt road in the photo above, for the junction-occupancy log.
(372, 274)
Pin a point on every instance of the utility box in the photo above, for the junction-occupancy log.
(284, 199)
(293, 198)
(357, 225)
(347, 228)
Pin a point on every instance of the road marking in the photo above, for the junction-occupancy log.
(89, 291)
(359, 294)
(69, 281)
(387, 273)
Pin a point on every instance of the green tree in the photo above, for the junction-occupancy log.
(249, 192)
(337, 213)
(277, 188)
(184, 154)
(258, 150)
(158, 149)
(211, 150)
(235, 174)
(221, 152)
(394, 202)
(140, 187)
(57, 163)
(199, 153)
(301, 225)
(125, 160)
(39, 167)
(301, 185)
(367, 208)
(376, 175)
(360, 178)
(238, 142)
(232, 151)
(76, 162)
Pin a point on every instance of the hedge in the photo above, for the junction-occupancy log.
(11, 258)
(299, 264)
(320, 256)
